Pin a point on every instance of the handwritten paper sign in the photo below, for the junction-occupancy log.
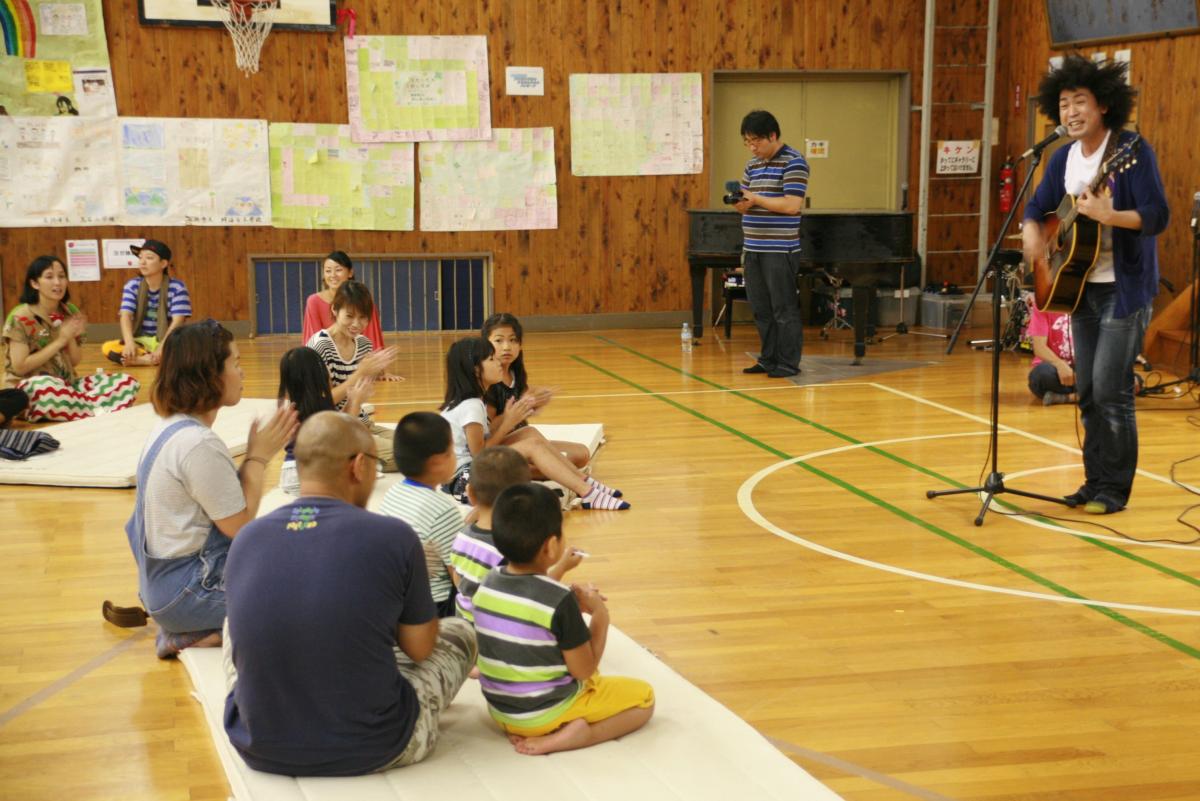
(958, 157)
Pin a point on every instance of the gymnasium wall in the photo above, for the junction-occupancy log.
(1166, 73)
(620, 242)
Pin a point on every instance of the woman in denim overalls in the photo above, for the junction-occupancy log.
(186, 480)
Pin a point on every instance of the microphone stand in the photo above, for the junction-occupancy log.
(998, 264)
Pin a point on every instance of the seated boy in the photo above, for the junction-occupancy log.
(474, 553)
(424, 453)
(152, 306)
(538, 659)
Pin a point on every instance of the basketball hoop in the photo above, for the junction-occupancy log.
(248, 22)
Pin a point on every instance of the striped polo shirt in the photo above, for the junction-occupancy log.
(786, 173)
(436, 518)
(179, 303)
(473, 555)
(339, 369)
(523, 623)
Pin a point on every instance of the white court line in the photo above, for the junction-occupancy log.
(746, 502)
(747, 390)
(1026, 434)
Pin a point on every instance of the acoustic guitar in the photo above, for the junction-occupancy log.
(1074, 241)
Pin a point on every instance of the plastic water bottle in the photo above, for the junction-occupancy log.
(685, 338)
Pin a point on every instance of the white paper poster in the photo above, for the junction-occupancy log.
(636, 124)
(94, 92)
(958, 157)
(524, 81)
(194, 171)
(57, 171)
(83, 260)
(118, 256)
(507, 183)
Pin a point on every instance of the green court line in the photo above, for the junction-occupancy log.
(1154, 634)
(1107, 546)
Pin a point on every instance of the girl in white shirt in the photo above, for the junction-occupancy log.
(471, 366)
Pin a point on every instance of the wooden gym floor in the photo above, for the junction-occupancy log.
(781, 554)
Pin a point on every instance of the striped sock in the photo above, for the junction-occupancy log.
(616, 493)
(599, 499)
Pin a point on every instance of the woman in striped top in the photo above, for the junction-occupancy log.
(349, 358)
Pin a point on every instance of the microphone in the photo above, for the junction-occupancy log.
(1045, 143)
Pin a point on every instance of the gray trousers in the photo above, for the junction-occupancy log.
(771, 290)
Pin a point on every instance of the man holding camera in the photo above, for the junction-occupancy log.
(772, 194)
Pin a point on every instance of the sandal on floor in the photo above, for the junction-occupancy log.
(127, 617)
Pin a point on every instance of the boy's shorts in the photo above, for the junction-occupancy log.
(600, 699)
(113, 348)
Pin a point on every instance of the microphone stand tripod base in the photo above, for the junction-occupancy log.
(993, 486)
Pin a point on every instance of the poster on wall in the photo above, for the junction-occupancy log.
(58, 171)
(507, 183)
(418, 88)
(46, 44)
(320, 178)
(178, 171)
(636, 124)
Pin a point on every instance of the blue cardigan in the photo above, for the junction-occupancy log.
(1135, 253)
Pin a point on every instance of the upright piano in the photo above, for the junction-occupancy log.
(864, 248)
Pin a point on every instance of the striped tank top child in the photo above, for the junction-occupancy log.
(472, 556)
(523, 623)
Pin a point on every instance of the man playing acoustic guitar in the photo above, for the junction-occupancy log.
(1094, 102)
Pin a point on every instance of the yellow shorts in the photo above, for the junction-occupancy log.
(600, 699)
(114, 347)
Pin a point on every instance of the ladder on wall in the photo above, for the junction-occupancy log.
(957, 99)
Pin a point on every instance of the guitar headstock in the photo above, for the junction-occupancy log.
(1124, 158)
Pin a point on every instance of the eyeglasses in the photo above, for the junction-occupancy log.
(354, 456)
(751, 141)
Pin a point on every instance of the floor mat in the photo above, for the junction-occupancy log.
(693, 748)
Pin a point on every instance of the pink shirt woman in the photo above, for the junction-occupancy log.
(318, 313)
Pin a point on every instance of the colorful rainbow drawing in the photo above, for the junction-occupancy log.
(19, 27)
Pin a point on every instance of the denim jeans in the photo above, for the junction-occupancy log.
(771, 290)
(1043, 378)
(1105, 351)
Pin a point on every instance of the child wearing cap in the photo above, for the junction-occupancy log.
(145, 307)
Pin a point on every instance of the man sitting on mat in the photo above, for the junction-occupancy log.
(336, 661)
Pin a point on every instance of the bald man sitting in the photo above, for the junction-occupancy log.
(336, 662)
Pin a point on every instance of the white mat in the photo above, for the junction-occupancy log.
(693, 748)
(589, 434)
(103, 451)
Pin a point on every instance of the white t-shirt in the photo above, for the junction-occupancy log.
(1081, 170)
(469, 411)
(192, 483)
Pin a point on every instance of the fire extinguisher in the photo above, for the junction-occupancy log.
(1006, 185)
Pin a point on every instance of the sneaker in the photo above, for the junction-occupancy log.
(754, 369)
(780, 372)
(1054, 398)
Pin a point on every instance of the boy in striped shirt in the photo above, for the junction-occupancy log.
(538, 658)
(474, 552)
(424, 451)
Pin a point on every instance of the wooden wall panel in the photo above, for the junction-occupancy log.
(1164, 72)
(621, 241)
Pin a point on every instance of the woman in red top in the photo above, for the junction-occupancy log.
(318, 313)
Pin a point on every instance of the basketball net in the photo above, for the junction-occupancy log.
(248, 24)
